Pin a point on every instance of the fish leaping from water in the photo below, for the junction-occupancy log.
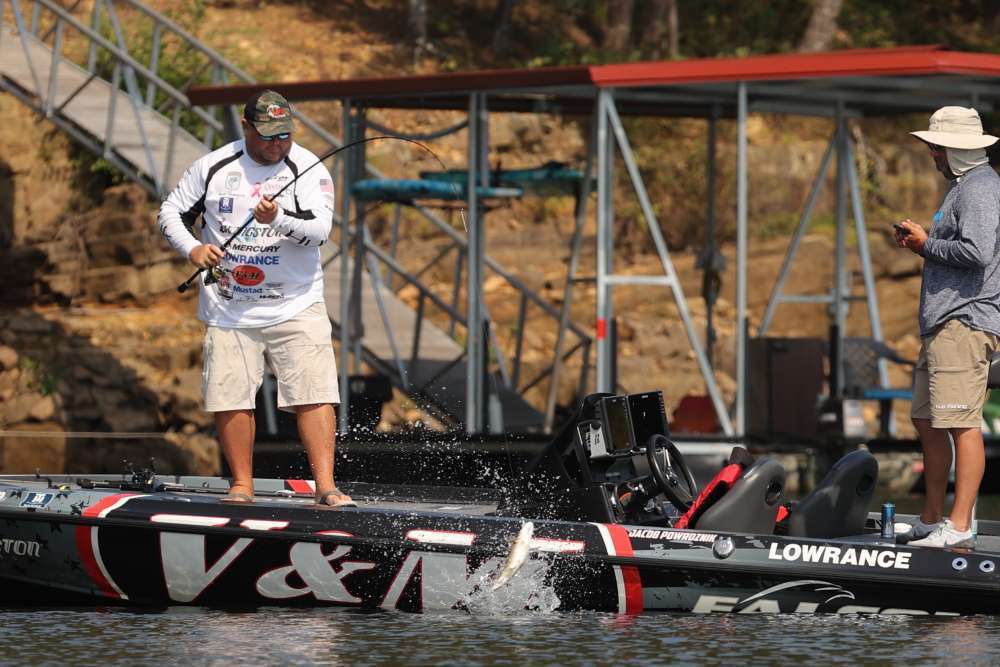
(517, 555)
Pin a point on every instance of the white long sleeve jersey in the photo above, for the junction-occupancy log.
(270, 272)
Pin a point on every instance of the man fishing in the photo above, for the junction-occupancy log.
(264, 291)
(959, 322)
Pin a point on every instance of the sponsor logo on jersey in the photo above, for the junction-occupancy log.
(254, 260)
(258, 232)
(233, 180)
(250, 247)
(248, 275)
(225, 204)
(326, 185)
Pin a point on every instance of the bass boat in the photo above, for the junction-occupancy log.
(607, 517)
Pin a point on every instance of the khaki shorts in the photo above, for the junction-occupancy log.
(949, 380)
(299, 351)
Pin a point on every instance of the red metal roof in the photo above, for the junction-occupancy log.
(572, 87)
(450, 82)
(905, 61)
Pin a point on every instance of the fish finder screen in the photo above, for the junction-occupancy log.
(615, 419)
(647, 416)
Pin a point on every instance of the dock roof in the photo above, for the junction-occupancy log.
(866, 81)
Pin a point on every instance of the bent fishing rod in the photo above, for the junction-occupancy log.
(184, 286)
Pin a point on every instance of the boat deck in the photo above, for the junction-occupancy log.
(467, 501)
(277, 494)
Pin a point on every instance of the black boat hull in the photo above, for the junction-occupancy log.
(182, 548)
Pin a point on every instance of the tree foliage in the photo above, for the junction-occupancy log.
(559, 32)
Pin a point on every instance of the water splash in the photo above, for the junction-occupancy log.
(529, 590)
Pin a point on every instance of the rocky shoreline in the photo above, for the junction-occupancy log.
(85, 389)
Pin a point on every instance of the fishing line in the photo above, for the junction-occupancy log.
(184, 286)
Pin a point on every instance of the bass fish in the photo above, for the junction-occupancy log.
(518, 553)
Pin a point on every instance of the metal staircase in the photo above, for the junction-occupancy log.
(98, 71)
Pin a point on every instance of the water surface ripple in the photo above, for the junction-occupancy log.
(196, 636)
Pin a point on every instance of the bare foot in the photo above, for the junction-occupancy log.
(334, 498)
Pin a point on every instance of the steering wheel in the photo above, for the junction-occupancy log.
(674, 479)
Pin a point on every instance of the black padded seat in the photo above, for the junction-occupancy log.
(838, 507)
(752, 504)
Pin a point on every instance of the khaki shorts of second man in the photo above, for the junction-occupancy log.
(949, 380)
(300, 352)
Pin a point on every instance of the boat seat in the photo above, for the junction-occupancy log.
(838, 506)
(748, 503)
(863, 380)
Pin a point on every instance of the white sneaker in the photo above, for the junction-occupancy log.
(945, 536)
(917, 530)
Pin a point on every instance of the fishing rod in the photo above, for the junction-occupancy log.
(184, 286)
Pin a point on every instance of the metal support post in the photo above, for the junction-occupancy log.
(356, 327)
(605, 241)
(345, 234)
(741, 259)
(474, 318)
(777, 292)
(840, 273)
(580, 216)
(670, 274)
(861, 230)
(710, 268)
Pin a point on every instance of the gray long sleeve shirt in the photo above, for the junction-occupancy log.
(961, 278)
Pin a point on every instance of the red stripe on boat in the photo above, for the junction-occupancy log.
(300, 486)
(85, 536)
(630, 573)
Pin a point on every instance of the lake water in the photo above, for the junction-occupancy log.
(344, 637)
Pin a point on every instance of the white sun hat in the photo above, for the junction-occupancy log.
(956, 127)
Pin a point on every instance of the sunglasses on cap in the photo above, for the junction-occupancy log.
(271, 137)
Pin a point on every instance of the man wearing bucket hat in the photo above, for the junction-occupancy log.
(267, 296)
(959, 322)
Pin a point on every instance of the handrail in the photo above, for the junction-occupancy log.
(218, 60)
(409, 278)
(193, 41)
(142, 162)
(125, 58)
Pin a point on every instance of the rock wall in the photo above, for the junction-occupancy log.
(92, 339)
(81, 391)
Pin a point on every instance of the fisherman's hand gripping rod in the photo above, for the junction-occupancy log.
(184, 286)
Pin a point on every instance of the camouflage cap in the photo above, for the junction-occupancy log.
(269, 113)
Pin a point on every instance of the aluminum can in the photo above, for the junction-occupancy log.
(888, 521)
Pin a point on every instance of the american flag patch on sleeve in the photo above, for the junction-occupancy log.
(326, 185)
